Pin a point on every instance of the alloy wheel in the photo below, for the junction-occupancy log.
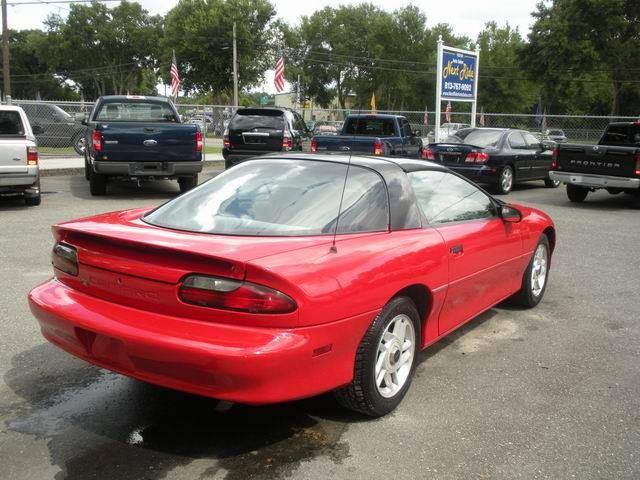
(539, 270)
(394, 356)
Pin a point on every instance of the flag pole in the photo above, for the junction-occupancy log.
(235, 67)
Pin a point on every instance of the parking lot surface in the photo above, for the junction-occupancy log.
(552, 392)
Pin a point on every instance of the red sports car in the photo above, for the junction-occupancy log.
(291, 275)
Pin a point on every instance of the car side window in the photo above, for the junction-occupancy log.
(444, 198)
(532, 142)
(516, 141)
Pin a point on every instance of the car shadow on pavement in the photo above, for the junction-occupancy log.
(102, 425)
(119, 189)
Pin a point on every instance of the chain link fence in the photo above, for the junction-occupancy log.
(63, 133)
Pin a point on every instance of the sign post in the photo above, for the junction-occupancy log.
(457, 80)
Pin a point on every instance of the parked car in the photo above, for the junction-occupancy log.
(446, 129)
(56, 127)
(556, 135)
(612, 164)
(259, 130)
(292, 275)
(372, 134)
(499, 157)
(19, 170)
(325, 129)
(140, 138)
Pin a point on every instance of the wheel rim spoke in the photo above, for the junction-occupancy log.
(395, 354)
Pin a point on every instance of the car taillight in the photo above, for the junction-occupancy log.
(554, 159)
(65, 258)
(287, 141)
(96, 140)
(314, 144)
(239, 296)
(428, 154)
(476, 157)
(198, 141)
(32, 156)
(377, 147)
(638, 164)
(226, 143)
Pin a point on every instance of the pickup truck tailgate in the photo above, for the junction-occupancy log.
(13, 155)
(598, 159)
(125, 142)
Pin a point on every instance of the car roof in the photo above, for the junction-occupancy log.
(374, 115)
(11, 108)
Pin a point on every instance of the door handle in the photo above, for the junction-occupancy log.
(149, 129)
(456, 249)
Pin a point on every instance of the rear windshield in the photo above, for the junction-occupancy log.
(370, 127)
(272, 120)
(281, 198)
(621, 135)
(135, 112)
(556, 132)
(11, 123)
(478, 138)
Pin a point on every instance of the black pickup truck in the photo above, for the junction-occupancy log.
(612, 164)
(140, 138)
(372, 134)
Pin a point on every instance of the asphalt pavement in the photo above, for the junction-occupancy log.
(552, 392)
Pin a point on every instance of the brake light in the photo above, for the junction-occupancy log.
(314, 144)
(554, 159)
(428, 154)
(198, 141)
(638, 164)
(226, 294)
(65, 258)
(377, 147)
(96, 140)
(226, 143)
(287, 141)
(32, 156)
(476, 157)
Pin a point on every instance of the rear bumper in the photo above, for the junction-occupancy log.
(19, 179)
(142, 169)
(596, 181)
(240, 364)
(477, 173)
(233, 157)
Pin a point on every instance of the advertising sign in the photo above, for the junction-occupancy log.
(458, 75)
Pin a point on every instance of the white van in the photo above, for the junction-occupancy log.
(19, 171)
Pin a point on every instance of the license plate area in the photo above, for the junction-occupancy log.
(450, 157)
(148, 167)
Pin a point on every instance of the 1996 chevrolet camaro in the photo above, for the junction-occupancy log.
(291, 275)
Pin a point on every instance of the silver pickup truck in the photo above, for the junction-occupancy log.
(19, 172)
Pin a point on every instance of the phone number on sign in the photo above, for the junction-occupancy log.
(460, 87)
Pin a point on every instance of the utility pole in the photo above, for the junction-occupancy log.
(6, 72)
(235, 67)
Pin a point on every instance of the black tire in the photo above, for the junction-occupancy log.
(187, 183)
(79, 143)
(550, 183)
(227, 164)
(97, 184)
(503, 187)
(362, 394)
(526, 297)
(87, 169)
(577, 194)
(33, 200)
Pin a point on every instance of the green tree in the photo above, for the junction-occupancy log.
(106, 51)
(584, 52)
(200, 31)
(502, 86)
(32, 73)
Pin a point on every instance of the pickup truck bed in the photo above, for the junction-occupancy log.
(613, 164)
(140, 138)
(372, 134)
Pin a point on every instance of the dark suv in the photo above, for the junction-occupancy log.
(57, 127)
(256, 131)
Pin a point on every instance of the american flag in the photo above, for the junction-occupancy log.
(175, 76)
(447, 112)
(278, 80)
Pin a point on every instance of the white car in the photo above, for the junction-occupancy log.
(19, 170)
(446, 129)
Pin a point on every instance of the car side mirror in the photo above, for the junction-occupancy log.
(547, 146)
(37, 130)
(80, 117)
(417, 133)
(509, 214)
